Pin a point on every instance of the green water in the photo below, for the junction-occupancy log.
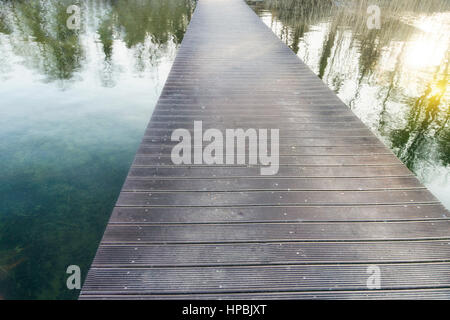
(73, 108)
(396, 79)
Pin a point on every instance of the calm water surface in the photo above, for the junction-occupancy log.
(73, 107)
(395, 79)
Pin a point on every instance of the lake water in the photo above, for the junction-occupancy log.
(396, 79)
(74, 104)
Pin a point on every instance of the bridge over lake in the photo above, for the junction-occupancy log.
(341, 211)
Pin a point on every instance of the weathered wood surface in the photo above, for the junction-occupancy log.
(340, 202)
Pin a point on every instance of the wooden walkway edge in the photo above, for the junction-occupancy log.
(340, 203)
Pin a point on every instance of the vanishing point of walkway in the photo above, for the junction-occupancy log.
(340, 202)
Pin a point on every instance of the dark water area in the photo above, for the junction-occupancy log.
(74, 104)
(396, 79)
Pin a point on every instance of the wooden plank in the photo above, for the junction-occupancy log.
(179, 215)
(405, 294)
(267, 125)
(273, 198)
(256, 119)
(262, 278)
(276, 232)
(252, 107)
(283, 172)
(351, 150)
(248, 113)
(272, 184)
(299, 160)
(165, 133)
(283, 253)
(287, 142)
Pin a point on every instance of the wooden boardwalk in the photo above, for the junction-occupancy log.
(340, 202)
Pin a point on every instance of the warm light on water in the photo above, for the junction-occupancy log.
(428, 48)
